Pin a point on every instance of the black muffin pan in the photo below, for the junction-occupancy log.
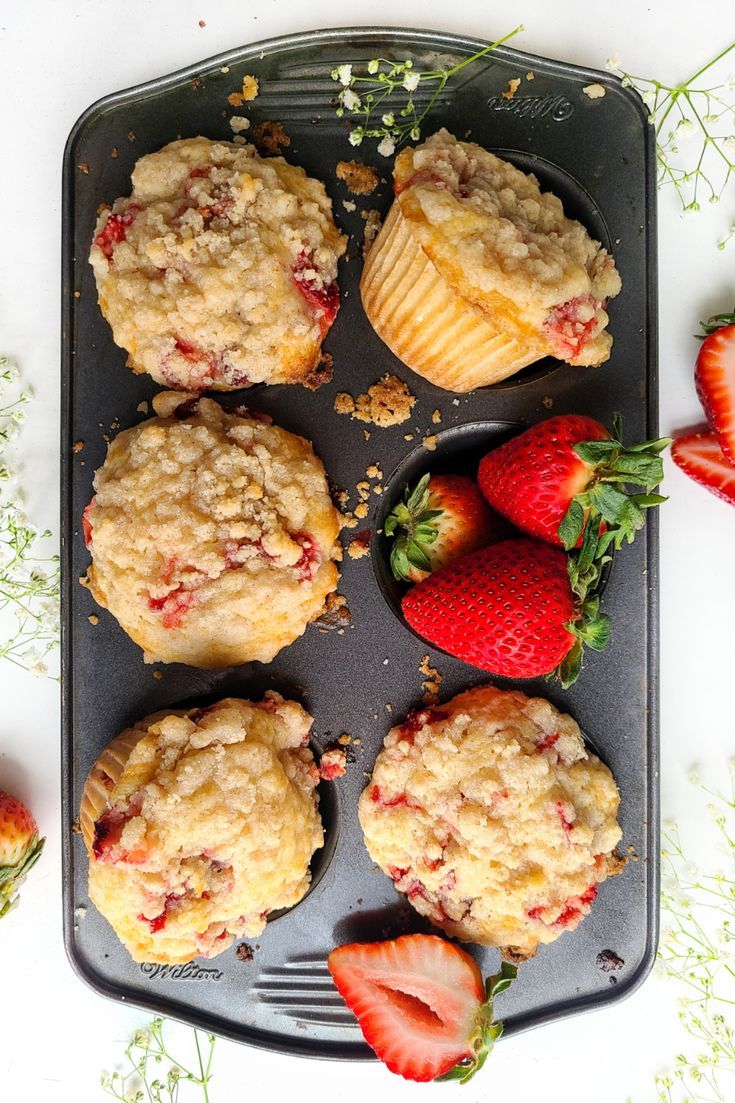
(598, 156)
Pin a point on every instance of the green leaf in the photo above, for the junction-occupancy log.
(597, 451)
(646, 501)
(586, 554)
(570, 528)
(650, 445)
(571, 666)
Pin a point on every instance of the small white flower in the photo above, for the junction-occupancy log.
(693, 774)
(613, 63)
(344, 74)
(411, 81)
(710, 119)
(356, 136)
(387, 147)
(648, 98)
(39, 669)
(728, 144)
(685, 129)
(19, 416)
(373, 66)
(350, 99)
(11, 373)
(730, 83)
(389, 120)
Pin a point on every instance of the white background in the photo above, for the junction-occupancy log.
(57, 58)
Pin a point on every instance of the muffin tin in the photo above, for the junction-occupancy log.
(598, 156)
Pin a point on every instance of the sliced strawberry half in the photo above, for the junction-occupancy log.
(700, 457)
(715, 380)
(421, 1004)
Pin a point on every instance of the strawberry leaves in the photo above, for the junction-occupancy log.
(412, 520)
(487, 1030)
(713, 323)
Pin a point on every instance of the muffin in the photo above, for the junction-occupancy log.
(493, 819)
(477, 273)
(199, 823)
(212, 534)
(220, 269)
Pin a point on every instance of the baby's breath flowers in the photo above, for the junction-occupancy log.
(695, 131)
(381, 102)
(29, 577)
(153, 1074)
(697, 952)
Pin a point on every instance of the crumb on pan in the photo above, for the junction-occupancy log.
(594, 91)
(530, 76)
(360, 179)
(387, 402)
(436, 417)
(430, 442)
(271, 137)
(93, 619)
(244, 952)
(83, 167)
(333, 764)
(250, 88)
(349, 205)
(78, 446)
(359, 546)
(335, 614)
(513, 85)
(238, 123)
(373, 223)
(432, 681)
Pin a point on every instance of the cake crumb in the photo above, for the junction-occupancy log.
(244, 952)
(93, 619)
(360, 179)
(157, 675)
(530, 76)
(77, 446)
(80, 912)
(335, 613)
(594, 91)
(77, 294)
(547, 401)
(361, 510)
(513, 85)
(363, 490)
(378, 489)
(271, 137)
(430, 442)
(609, 961)
(344, 739)
(374, 472)
(114, 152)
(432, 681)
(436, 417)
(250, 88)
(202, 23)
(367, 434)
(333, 764)
(238, 123)
(389, 707)
(387, 402)
(349, 205)
(408, 436)
(359, 547)
(132, 135)
(373, 222)
(142, 408)
(357, 741)
(83, 167)
(224, 69)
(455, 402)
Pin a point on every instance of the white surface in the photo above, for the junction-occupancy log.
(60, 56)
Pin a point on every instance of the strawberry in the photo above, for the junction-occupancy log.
(444, 517)
(323, 298)
(20, 848)
(715, 379)
(512, 609)
(421, 1004)
(700, 457)
(556, 476)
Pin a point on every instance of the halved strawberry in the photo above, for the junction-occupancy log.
(20, 848)
(421, 1004)
(700, 457)
(715, 379)
(444, 517)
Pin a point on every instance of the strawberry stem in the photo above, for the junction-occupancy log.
(411, 523)
(487, 1030)
(715, 322)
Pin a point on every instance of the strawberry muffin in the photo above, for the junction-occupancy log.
(220, 269)
(212, 535)
(492, 817)
(199, 823)
(477, 273)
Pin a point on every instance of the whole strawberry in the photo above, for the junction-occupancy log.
(556, 476)
(20, 848)
(444, 517)
(509, 609)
